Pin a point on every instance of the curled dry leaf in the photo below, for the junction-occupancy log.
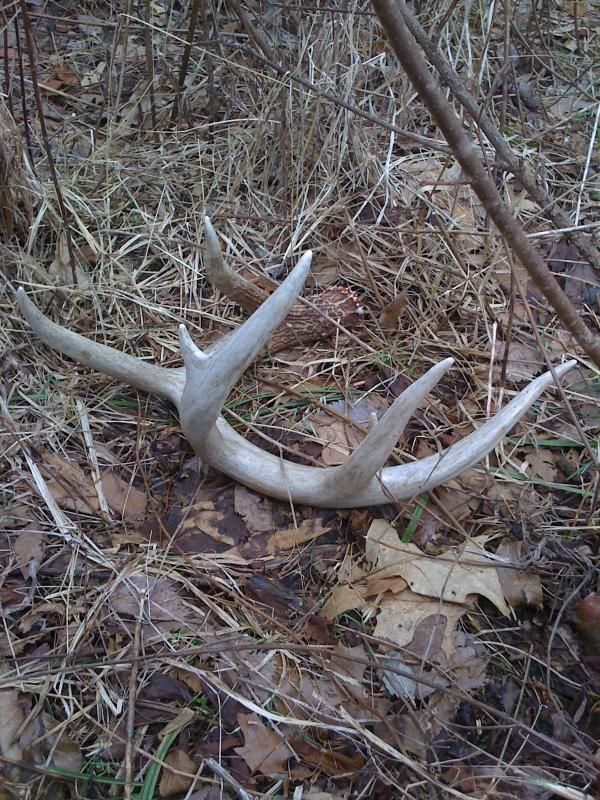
(582, 285)
(29, 548)
(94, 77)
(253, 676)
(520, 588)
(361, 594)
(523, 364)
(61, 271)
(60, 77)
(69, 485)
(306, 531)
(390, 316)
(231, 522)
(420, 728)
(421, 624)
(587, 621)
(254, 509)
(13, 717)
(273, 595)
(41, 612)
(64, 752)
(529, 97)
(398, 676)
(206, 526)
(343, 437)
(177, 776)
(210, 793)
(344, 598)
(453, 500)
(264, 750)
(324, 796)
(542, 463)
(162, 608)
(45, 739)
(125, 500)
(468, 662)
(310, 697)
(350, 664)
(418, 599)
(580, 279)
(331, 762)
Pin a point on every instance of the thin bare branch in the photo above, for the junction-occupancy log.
(416, 68)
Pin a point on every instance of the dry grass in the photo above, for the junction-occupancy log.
(279, 169)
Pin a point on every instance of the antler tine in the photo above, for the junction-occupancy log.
(276, 477)
(477, 445)
(372, 453)
(223, 277)
(211, 376)
(217, 271)
(133, 371)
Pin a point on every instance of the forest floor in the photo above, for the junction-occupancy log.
(168, 633)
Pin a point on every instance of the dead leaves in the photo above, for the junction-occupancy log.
(177, 778)
(520, 587)
(237, 522)
(69, 485)
(419, 600)
(254, 510)
(124, 499)
(587, 622)
(60, 77)
(541, 462)
(65, 752)
(390, 315)
(29, 548)
(153, 600)
(317, 697)
(455, 577)
(453, 196)
(73, 490)
(579, 278)
(264, 750)
(13, 718)
(342, 437)
(524, 361)
(32, 739)
(423, 626)
(306, 531)
(309, 699)
(270, 752)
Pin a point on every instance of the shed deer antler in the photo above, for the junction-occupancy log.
(200, 389)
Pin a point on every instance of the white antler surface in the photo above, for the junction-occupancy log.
(200, 389)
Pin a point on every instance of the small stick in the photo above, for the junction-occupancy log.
(185, 58)
(380, 301)
(256, 36)
(131, 703)
(215, 767)
(45, 140)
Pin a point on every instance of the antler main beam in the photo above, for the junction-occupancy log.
(200, 389)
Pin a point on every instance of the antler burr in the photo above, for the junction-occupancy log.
(200, 388)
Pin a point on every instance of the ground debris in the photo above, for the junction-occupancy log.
(164, 625)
